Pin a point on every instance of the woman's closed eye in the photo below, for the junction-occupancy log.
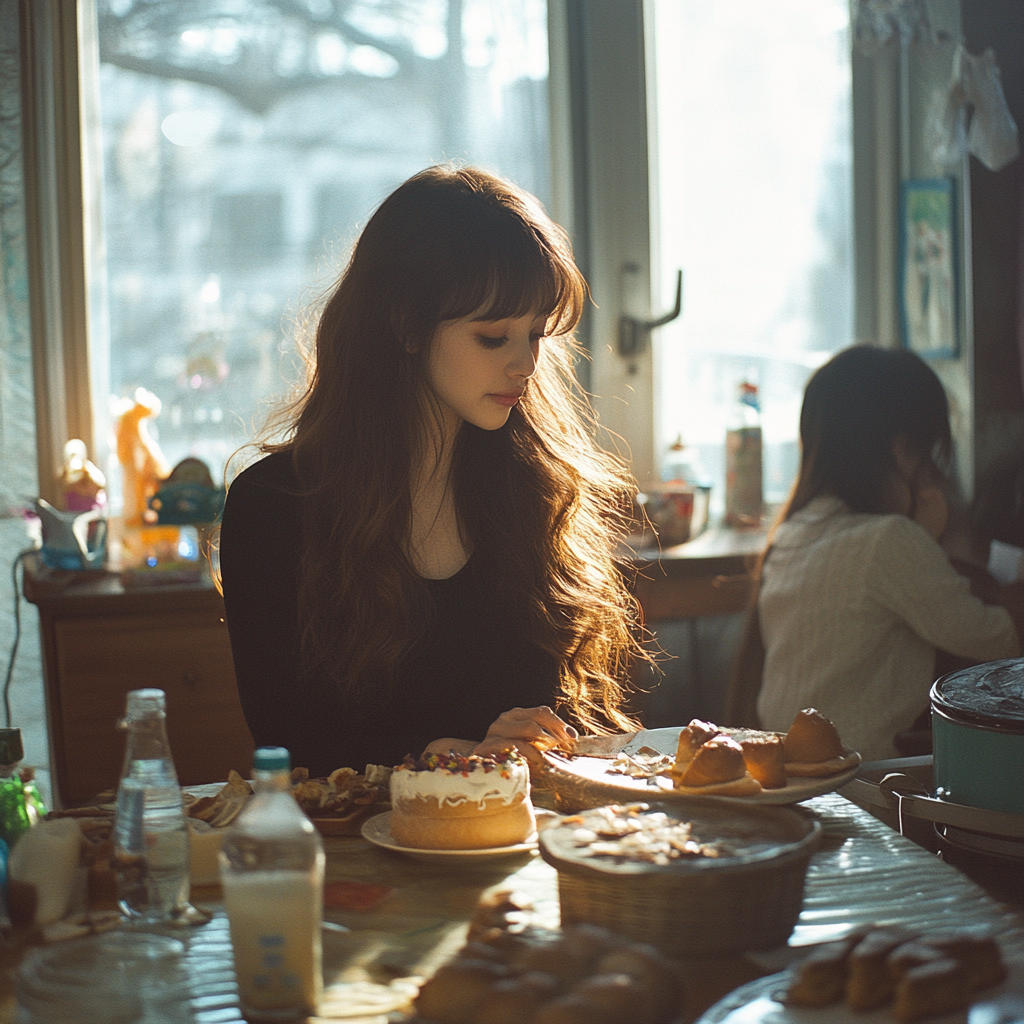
(489, 342)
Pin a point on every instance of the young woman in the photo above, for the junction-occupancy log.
(856, 593)
(428, 556)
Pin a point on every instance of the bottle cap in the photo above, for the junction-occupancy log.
(271, 759)
(11, 748)
(143, 703)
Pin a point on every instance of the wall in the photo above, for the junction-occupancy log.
(996, 218)
(18, 479)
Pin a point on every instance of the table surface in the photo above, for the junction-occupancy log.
(864, 872)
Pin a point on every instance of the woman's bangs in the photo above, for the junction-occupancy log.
(527, 284)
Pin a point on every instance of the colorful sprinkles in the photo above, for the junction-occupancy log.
(462, 764)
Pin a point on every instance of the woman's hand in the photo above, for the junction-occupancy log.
(931, 509)
(449, 745)
(530, 730)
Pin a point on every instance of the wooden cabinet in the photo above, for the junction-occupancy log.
(100, 641)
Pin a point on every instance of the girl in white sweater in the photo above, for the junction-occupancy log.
(856, 593)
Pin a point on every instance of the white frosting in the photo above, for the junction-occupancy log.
(476, 787)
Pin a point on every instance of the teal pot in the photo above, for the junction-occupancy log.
(978, 736)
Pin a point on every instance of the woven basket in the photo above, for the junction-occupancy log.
(700, 906)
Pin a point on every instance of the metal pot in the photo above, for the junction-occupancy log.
(978, 736)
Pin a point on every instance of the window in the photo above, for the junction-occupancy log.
(753, 200)
(244, 144)
(240, 147)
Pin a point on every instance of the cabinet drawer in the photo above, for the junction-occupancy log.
(185, 654)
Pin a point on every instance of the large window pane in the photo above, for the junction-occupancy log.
(245, 143)
(754, 174)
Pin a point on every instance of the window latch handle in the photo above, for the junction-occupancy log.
(634, 332)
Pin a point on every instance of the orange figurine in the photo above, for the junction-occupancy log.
(142, 462)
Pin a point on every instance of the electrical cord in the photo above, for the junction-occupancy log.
(19, 559)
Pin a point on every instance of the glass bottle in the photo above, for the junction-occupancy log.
(744, 494)
(151, 853)
(682, 465)
(15, 819)
(34, 802)
(272, 873)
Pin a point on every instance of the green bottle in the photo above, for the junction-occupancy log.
(14, 814)
(34, 802)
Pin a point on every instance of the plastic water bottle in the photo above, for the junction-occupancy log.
(151, 854)
(744, 492)
(272, 873)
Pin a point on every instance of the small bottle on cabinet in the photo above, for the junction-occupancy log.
(151, 854)
(272, 873)
(15, 816)
(744, 495)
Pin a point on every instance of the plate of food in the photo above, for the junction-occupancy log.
(703, 759)
(458, 805)
(377, 830)
(882, 975)
(337, 804)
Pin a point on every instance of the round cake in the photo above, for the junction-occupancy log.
(459, 802)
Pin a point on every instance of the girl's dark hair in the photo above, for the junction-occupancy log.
(540, 503)
(855, 407)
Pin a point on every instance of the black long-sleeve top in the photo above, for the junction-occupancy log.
(471, 666)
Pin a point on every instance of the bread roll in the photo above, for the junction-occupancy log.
(931, 989)
(718, 760)
(691, 738)
(514, 1000)
(869, 984)
(979, 955)
(820, 979)
(765, 759)
(812, 737)
(455, 990)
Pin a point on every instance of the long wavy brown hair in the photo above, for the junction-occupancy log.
(539, 503)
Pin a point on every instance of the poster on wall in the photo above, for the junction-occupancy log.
(928, 299)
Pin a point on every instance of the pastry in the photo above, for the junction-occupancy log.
(456, 989)
(979, 955)
(868, 983)
(820, 979)
(910, 955)
(717, 768)
(812, 737)
(813, 748)
(457, 802)
(931, 989)
(765, 759)
(691, 738)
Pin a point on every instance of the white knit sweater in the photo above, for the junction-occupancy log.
(852, 608)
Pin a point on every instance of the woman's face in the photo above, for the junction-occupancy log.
(916, 492)
(478, 369)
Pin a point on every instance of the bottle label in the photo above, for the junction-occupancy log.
(274, 918)
(744, 495)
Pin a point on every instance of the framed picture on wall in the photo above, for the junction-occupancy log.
(928, 278)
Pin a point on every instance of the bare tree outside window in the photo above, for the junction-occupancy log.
(245, 142)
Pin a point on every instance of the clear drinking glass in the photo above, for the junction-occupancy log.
(121, 977)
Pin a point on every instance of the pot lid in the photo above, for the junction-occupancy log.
(991, 694)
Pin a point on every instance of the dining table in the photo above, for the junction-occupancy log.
(393, 918)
